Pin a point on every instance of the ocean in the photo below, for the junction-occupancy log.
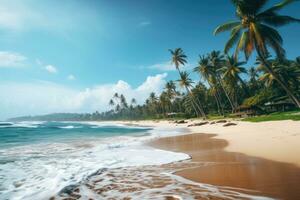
(39, 159)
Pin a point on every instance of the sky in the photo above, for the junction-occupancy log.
(71, 56)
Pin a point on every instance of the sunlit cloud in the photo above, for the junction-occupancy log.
(51, 69)
(42, 97)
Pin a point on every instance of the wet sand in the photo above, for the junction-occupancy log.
(218, 167)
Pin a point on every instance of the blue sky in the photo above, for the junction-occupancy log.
(67, 51)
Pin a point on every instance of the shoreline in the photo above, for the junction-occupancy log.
(211, 164)
(213, 170)
(265, 155)
(273, 140)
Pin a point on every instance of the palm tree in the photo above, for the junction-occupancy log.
(152, 101)
(253, 83)
(186, 82)
(285, 70)
(205, 70)
(133, 101)
(123, 101)
(254, 30)
(178, 58)
(231, 74)
(171, 89)
(111, 102)
(217, 62)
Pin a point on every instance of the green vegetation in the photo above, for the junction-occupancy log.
(295, 115)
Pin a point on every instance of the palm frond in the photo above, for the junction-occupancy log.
(226, 27)
(242, 43)
(235, 33)
(278, 20)
(279, 6)
(250, 7)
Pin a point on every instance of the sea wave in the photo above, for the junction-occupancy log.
(42, 170)
(23, 124)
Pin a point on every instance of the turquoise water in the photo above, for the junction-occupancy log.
(24, 133)
(39, 159)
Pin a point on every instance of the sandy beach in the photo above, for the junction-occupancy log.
(274, 140)
(262, 157)
(244, 161)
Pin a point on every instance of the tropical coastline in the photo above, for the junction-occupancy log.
(221, 166)
(110, 100)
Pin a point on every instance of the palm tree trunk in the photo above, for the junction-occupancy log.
(199, 106)
(226, 94)
(218, 106)
(277, 78)
(220, 100)
(220, 111)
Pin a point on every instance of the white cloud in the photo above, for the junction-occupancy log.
(71, 77)
(44, 97)
(165, 66)
(145, 23)
(11, 59)
(51, 69)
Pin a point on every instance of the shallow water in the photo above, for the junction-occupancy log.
(39, 159)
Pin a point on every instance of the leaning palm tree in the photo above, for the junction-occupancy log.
(255, 30)
(205, 70)
(216, 60)
(178, 59)
(186, 82)
(231, 74)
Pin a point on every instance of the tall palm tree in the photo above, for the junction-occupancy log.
(231, 74)
(170, 88)
(170, 93)
(255, 30)
(178, 58)
(205, 70)
(253, 82)
(186, 82)
(217, 62)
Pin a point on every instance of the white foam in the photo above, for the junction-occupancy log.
(40, 171)
(70, 127)
(23, 124)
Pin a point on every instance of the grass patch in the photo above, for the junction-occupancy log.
(292, 115)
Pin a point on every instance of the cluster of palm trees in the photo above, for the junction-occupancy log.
(227, 84)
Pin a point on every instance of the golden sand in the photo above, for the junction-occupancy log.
(221, 168)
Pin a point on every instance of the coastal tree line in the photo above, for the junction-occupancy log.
(225, 83)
